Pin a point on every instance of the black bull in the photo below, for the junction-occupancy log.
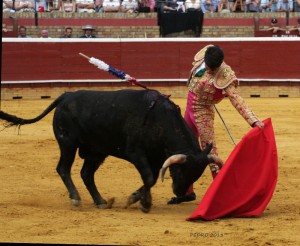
(140, 126)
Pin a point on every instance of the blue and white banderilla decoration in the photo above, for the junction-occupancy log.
(116, 72)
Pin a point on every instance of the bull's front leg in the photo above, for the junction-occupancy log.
(146, 201)
(143, 194)
(144, 197)
(134, 197)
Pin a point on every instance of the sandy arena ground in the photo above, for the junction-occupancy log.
(35, 208)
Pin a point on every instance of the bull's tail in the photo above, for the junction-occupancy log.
(13, 120)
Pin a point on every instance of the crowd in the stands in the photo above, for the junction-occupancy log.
(146, 6)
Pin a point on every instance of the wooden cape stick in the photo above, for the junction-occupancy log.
(225, 124)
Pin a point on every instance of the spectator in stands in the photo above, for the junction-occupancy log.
(231, 2)
(54, 5)
(23, 32)
(10, 34)
(24, 6)
(159, 5)
(252, 5)
(192, 5)
(285, 6)
(266, 6)
(129, 6)
(111, 5)
(273, 5)
(68, 33)
(88, 32)
(146, 6)
(223, 6)
(8, 6)
(44, 34)
(275, 27)
(4, 28)
(295, 28)
(297, 6)
(85, 6)
(67, 6)
(41, 5)
(99, 6)
(174, 6)
(209, 6)
(238, 6)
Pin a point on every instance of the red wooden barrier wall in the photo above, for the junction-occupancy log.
(45, 21)
(162, 59)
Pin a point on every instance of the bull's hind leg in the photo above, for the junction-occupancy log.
(88, 170)
(64, 170)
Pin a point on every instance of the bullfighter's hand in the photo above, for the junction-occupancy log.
(259, 124)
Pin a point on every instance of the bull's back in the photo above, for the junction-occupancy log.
(85, 105)
(104, 119)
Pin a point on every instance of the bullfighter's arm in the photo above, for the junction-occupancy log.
(239, 103)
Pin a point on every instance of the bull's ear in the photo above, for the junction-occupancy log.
(207, 149)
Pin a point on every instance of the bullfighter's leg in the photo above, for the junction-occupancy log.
(63, 168)
(88, 170)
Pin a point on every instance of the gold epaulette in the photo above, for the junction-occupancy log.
(224, 76)
(199, 57)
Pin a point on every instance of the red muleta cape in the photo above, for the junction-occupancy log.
(245, 184)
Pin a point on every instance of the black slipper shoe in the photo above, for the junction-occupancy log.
(185, 198)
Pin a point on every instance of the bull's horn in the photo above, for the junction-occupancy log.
(174, 159)
(215, 159)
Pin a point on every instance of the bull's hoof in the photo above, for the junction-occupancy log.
(145, 206)
(107, 205)
(110, 202)
(145, 210)
(75, 202)
(132, 199)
